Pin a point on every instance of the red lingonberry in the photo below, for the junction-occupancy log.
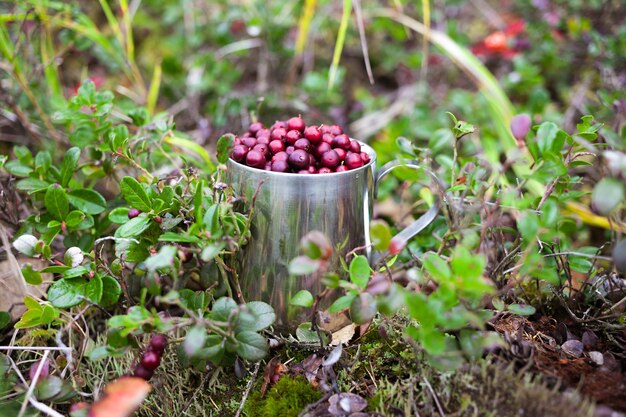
(278, 134)
(299, 159)
(296, 123)
(150, 360)
(133, 212)
(158, 343)
(313, 134)
(354, 161)
(255, 127)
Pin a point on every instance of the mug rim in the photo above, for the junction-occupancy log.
(364, 148)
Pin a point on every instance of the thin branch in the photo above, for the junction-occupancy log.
(248, 389)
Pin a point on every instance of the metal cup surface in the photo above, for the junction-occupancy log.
(287, 207)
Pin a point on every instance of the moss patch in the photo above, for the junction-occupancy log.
(286, 399)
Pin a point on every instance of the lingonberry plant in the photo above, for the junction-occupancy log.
(144, 242)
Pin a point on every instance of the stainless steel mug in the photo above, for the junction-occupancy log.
(288, 206)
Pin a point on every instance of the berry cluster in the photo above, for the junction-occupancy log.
(151, 358)
(294, 147)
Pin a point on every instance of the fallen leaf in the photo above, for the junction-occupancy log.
(345, 402)
(343, 335)
(122, 398)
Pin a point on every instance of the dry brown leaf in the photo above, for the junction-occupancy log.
(343, 335)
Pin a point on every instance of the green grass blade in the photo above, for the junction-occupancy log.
(304, 23)
(341, 38)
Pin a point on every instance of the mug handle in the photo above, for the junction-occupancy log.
(428, 217)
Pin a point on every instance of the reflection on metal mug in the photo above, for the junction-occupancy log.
(288, 206)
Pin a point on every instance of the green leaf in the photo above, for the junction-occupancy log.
(134, 193)
(222, 308)
(302, 298)
(363, 308)
(177, 237)
(252, 346)
(93, 289)
(133, 227)
(56, 202)
(211, 219)
(380, 235)
(224, 146)
(303, 265)
(119, 215)
(5, 319)
(263, 313)
(211, 251)
(360, 271)
(213, 350)
(437, 268)
(18, 169)
(467, 265)
(163, 259)
(31, 184)
(111, 291)
(521, 309)
(433, 341)
(607, 195)
(194, 341)
(74, 218)
(546, 135)
(528, 226)
(68, 166)
(77, 271)
(31, 276)
(66, 293)
(88, 201)
(341, 303)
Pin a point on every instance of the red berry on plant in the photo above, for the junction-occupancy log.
(143, 373)
(296, 123)
(299, 159)
(158, 343)
(354, 161)
(133, 212)
(396, 245)
(150, 360)
(158, 219)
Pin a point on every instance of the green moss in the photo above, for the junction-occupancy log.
(285, 399)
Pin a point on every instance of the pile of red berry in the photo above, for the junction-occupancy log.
(151, 358)
(294, 147)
